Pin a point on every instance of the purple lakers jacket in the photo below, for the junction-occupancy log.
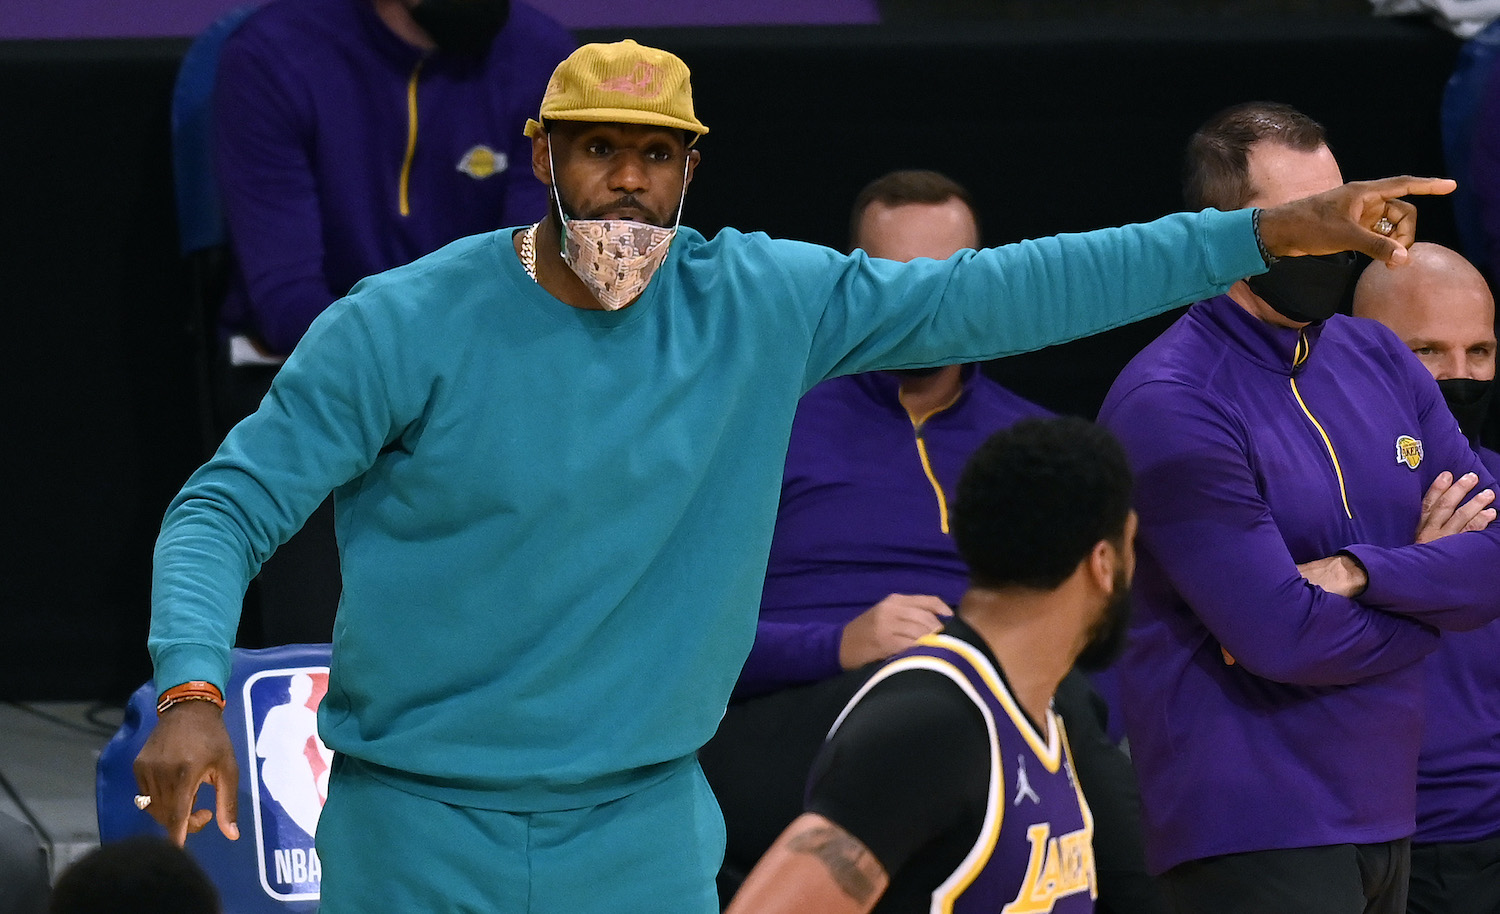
(343, 151)
(1257, 448)
(863, 514)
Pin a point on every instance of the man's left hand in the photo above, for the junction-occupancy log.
(1444, 511)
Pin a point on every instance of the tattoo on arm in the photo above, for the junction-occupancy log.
(848, 861)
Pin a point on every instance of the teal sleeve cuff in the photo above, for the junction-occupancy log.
(179, 663)
(1234, 246)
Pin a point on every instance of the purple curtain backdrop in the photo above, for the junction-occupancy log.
(172, 18)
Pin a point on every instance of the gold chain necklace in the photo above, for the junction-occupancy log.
(528, 250)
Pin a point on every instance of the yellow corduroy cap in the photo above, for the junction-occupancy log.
(620, 83)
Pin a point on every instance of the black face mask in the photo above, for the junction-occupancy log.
(1469, 400)
(1307, 289)
(462, 26)
(1107, 639)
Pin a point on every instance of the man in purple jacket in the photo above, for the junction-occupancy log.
(1291, 577)
(1441, 308)
(353, 136)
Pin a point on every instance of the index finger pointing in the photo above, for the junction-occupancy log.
(1406, 185)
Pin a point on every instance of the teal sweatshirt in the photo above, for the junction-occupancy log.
(553, 523)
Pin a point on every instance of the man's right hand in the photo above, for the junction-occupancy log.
(190, 746)
(889, 627)
(1444, 511)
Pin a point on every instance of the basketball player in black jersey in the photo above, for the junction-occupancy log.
(947, 784)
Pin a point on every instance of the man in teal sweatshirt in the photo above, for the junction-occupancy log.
(555, 453)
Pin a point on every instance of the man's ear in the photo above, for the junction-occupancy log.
(541, 165)
(1101, 563)
(1108, 556)
(694, 156)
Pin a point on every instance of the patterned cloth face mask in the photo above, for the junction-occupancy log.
(615, 258)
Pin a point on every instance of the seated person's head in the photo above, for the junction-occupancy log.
(142, 874)
(915, 213)
(1440, 307)
(912, 213)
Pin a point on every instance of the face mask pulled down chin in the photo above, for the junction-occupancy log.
(465, 27)
(615, 258)
(1469, 401)
(1307, 289)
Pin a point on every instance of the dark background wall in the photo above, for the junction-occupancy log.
(93, 382)
(177, 18)
(1055, 127)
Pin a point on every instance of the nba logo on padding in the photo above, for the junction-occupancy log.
(289, 768)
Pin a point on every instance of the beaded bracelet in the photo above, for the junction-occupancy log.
(190, 691)
(1265, 255)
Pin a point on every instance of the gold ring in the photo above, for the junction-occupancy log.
(1385, 226)
(142, 801)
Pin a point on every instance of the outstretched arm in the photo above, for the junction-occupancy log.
(981, 305)
(814, 866)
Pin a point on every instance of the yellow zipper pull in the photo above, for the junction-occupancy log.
(404, 192)
(918, 427)
(1298, 357)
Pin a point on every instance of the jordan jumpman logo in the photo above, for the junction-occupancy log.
(1023, 784)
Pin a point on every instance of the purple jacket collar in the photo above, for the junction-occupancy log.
(402, 55)
(884, 387)
(1267, 345)
(385, 41)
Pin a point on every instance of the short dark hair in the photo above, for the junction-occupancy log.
(908, 185)
(141, 873)
(1034, 500)
(1216, 170)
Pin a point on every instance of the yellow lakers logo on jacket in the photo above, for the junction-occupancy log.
(482, 161)
(1057, 867)
(1409, 451)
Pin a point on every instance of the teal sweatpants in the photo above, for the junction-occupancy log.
(385, 850)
